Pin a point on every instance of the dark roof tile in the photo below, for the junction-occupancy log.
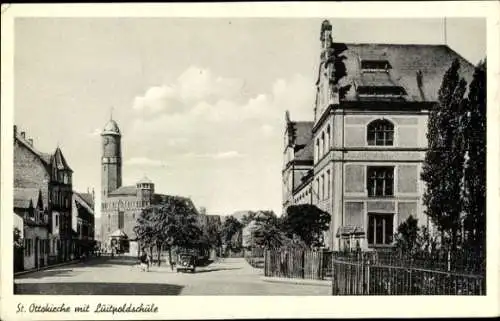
(60, 161)
(87, 198)
(124, 190)
(406, 61)
(23, 196)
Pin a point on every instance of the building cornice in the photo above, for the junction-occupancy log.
(348, 107)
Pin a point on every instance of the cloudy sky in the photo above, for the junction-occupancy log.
(200, 102)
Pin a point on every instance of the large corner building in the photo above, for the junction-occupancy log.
(361, 157)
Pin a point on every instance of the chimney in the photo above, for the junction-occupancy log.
(15, 130)
(23, 134)
(30, 141)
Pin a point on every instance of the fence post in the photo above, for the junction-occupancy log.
(366, 275)
(265, 262)
(321, 269)
(303, 257)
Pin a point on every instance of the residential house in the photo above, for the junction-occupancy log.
(83, 222)
(50, 174)
(29, 206)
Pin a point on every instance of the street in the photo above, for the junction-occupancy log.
(119, 276)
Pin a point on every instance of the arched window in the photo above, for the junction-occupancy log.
(380, 133)
(317, 149)
(323, 142)
(328, 138)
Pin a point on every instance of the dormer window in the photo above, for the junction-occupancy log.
(381, 91)
(375, 65)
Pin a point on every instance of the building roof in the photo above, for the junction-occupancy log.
(124, 190)
(59, 161)
(145, 180)
(84, 202)
(87, 197)
(301, 138)
(45, 158)
(406, 62)
(305, 153)
(303, 132)
(111, 128)
(25, 196)
(118, 233)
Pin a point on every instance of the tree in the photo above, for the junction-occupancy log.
(18, 250)
(307, 222)
(18, 240)
(407, 237)
(171, 222)
(230, 229)
(443, 165)
(474, 146)
(268, 231)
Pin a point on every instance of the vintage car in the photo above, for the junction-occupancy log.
(186, 262)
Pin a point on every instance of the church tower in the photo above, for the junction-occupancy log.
(111, 158)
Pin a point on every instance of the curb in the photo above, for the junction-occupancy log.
(296, 281)
(48, 267)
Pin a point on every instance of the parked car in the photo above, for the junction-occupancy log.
(186, 262)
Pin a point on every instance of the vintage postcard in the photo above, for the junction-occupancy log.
(209, 161)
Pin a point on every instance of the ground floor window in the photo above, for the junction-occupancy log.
(380, 228)
(28, 247)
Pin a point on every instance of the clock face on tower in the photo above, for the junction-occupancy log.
(106, 141)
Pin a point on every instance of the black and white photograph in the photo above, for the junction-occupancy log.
(246, 156)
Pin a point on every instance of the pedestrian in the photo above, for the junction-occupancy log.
(144, 261)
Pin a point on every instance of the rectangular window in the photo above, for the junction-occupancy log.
(27, 247)
(375, 65)
(57, 220)
(121, 220)
(380, 229)
(380, 181)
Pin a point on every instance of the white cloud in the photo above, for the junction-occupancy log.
(267, 129)
(144, 161)
(230, 154)
(96, 132)
(197, 84)
(208, 128)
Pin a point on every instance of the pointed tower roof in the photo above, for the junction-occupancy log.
(59, 161)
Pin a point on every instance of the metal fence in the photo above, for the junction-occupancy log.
(369, 274)
(298, 263)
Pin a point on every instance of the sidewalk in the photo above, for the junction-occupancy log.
(296, 281)
(48, 267)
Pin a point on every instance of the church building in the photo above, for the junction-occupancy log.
(122, 205)
(361, 156)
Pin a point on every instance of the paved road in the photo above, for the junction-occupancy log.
(107, 276)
